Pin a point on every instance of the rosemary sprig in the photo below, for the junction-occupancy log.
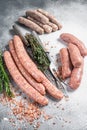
(38, 53)
(4, 80)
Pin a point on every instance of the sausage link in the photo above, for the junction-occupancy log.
(38, 16)
(76, 77)
(54, 26)
(38, 86)
(51, 17)
(75, 55)
(52, 90)
(46, 27)
(65, 61)
(69, 38)
(21, 82)
(28, 63)
(31, 25)
(25, 60)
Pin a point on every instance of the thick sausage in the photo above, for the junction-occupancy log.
(37, 15)
(31, 25)
(38, 86)
(25, 60)
(69, 38)
(76, 77)
(21, 82)
(65, 62)
(46, 27)
(51, 17)
(30, 66)
(75, 55)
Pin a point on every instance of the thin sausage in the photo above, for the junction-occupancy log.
(76, 77)
(51, 17)
(75, 55)
(25, 60)
(37, 15)
(31, 25)
(46, 27)
(38, 86)
(21, 82)
(69, 38)
(28, 63)
(65, 62)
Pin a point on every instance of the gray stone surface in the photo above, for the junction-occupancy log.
(73, 16)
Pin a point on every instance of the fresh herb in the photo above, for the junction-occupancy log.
(4, 80)
(38, 53)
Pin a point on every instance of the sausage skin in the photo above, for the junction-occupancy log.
(76, 77)
(75, 55)
(25, 60)
(21, 82)
(65, 61)
(38, 86)
(46, 27)
(31, 25)
(69, 38)
(51, 17)
(37, 15)
(37, 74)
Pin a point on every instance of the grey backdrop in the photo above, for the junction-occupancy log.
(72, 14)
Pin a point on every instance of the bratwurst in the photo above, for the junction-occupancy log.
(65, 62)
(75, 55)
(21, 82)
(69, 38)
(76, 77)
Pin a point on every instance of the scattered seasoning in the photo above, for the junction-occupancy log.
(24, 110)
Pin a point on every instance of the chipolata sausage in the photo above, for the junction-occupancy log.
(37, 15)
(51, 17)
(31, 25)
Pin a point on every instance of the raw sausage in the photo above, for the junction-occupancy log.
(25, 60)
(76, 77)
(46, 27)
(51, 17)
(65, 62)
(38, 16)
(38, 86)
(21, 82)
(31, 25)
(54, 26)
(69, 38)
(30, 66)
(75, 55)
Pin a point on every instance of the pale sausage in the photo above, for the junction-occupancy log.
(31, 25)
(37, 15)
